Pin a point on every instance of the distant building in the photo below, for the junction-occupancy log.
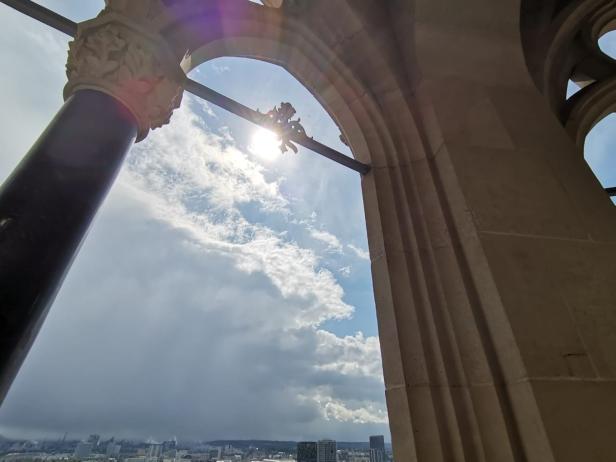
(135, 459)
(94, 439)
(377, 442)
(377, 448)
(113, 449)
(155, 450)
(359, 458)
(307, 451)
(170, 447)
(83, 450)
(326, 451)
(277, 460)
(377, 455)
(24, 457)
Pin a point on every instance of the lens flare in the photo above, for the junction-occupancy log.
(265, 144)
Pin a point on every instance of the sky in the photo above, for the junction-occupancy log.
(223, 291)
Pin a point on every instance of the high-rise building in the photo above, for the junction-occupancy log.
(326, 451)
(94, 439)
(377, 455)
(155, 450)
(170, 445)
(377, 442)
(307, 451)
(377, 448)
(83, 450)
(113, 449)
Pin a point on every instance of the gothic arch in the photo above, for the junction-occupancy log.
(561, 42)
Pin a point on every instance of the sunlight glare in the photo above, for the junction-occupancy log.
(265, 144)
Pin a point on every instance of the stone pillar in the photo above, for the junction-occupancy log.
(123, 80)
(494, 255)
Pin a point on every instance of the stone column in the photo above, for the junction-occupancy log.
(495, 271)
(123, 80)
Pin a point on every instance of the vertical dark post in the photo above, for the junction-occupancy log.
(46, 207)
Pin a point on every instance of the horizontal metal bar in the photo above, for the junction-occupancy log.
(611, 191)
(58, 22)
(257, 118)
(44, 15)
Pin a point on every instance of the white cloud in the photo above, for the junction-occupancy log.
(188, 159)
(205, 107)
(351, 355)
(345, 271)
(219, 69)
(183, 167)
(333, 243)
(359, 413)
(361, 253)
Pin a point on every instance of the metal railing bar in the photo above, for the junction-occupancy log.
(257, 118)
(44, 15)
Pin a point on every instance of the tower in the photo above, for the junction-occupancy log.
(377, 448)
(307, 451)
(326, 451)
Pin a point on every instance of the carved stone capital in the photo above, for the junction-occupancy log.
(123, 57)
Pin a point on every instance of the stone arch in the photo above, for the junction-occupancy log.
(588, 107)
(598, 99)
(303, 70)
(561, 43)
(258, 32)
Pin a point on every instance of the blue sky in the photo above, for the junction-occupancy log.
(220, 293)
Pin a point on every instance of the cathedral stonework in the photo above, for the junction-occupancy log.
(492, 244)
(113, 55)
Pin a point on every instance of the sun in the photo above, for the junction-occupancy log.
(265, 144)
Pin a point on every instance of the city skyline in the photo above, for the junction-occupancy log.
(97, 448)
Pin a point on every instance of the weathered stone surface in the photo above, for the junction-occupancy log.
(120, 53)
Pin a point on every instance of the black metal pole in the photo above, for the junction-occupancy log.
(46, 207)
(256, 118)
(44, 15)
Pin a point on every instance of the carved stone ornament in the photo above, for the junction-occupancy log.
(280, 121)
(273, 3)
(115, 55)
